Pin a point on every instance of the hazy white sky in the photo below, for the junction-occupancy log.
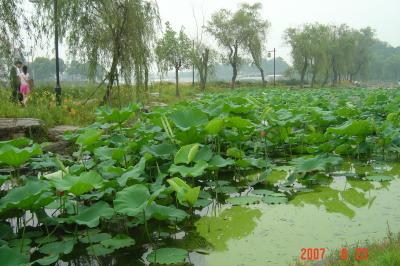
(382, 15)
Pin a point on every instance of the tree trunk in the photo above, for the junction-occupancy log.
(313, 79)
(262, 75)
(146, 78)
(303, 73)
(234, 75)
(204, 71)
(111, 78)
(234, 62)
(177, 93)
(326, 78)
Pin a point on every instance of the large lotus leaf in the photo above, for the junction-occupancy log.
(93, 236)
(133, 174)
(379, 178)
(14, 156)
(186, 154)
(19, 143)
(204, 154)
(219, 162)
(115, 115)
(12, 257)
(89, 137)
(319, 163)
(23, 197)
(271, 199)
(61, 247)
(238, 122)
(48, 260)
(168, 256)
(132, 200)
(99, 250)
(162, 213)
(215, 126)
(91, 215)
(119, 241)
(244, 200)
(354, 128)
(161, 150)
(195, 171)
(79, 185)
(184, 192)
(235, 153)
(185, 118)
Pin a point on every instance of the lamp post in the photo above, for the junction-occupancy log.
(269, 55)
(57, 89)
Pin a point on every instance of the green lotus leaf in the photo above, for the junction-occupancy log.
(98, 250)
(274, 199)
(186, 154)
(161, 150)
(15, 157)
(79, 185)
(162, 213)
(132, 200)
(244, 200)
(263, 192)
(219, 162)
(115, 115)
(204, 154)
(119, 241)
(235, 153)
(91, 215)
(19, 143)
(238, 122)
(60, 247)
(354, 128)
(89, 137)
(23, 197)
(319, 163)
(195, 171)
(48, 260)
(133, 174)
(93, 236)
(185, 118)
(379, 178)
(184, 192)
(12, 257)
(168, 256)
(215, 126)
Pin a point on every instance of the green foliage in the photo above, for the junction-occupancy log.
(168, 256)
(183, 191)
(15, 157)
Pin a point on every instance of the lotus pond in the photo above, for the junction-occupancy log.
(245, 178)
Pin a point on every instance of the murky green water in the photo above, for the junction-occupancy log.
(346, 211)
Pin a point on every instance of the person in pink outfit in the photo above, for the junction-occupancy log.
(24, 88)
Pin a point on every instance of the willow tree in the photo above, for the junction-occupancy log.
(226, 29)
(254, 30)
(300, 43)
(115, 34)
(10, 13)
(173, 51)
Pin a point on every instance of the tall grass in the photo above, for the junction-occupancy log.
(79, 102)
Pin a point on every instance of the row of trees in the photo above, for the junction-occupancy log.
(329, 52)
(239, 33)
(121, 36)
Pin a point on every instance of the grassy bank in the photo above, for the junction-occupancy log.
(81, 101)
(385, 252)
